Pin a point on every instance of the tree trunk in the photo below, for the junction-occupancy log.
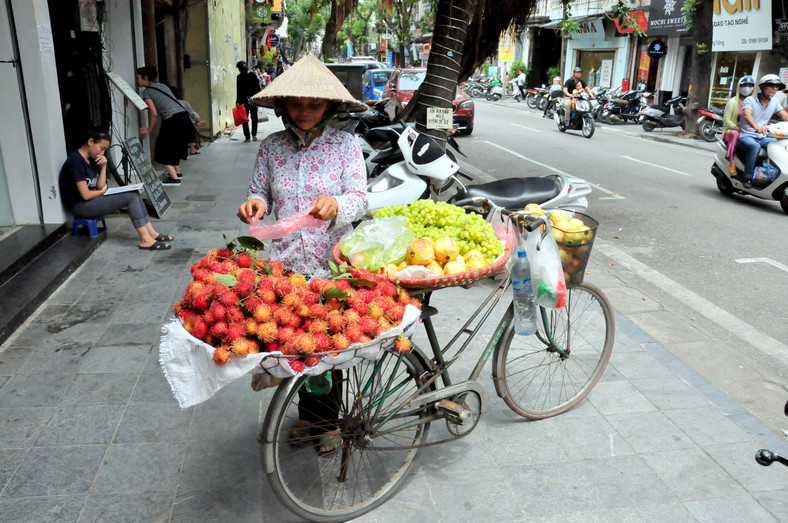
(700, 81)
(452, 20)
(329, 46)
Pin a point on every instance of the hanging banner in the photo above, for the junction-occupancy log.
(665, 18)
(506, 46)
(741, 25)
(637, 21)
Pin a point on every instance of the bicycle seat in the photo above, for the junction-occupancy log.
(512, 193)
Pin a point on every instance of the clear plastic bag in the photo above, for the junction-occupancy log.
(377, 242)
(503, 228)
(283, 227)
(547, 274)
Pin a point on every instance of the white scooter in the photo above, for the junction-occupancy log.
(767, 189)
(428, 171)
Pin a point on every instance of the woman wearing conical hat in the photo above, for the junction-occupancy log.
(309, 167)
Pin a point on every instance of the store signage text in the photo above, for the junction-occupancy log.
(586, 27)
(736, 5)
(741, 25)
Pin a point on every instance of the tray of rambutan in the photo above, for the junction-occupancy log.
(241, 311)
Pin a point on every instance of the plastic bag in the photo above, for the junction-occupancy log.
(503, 228)
(239, 115)
(283, 227)
(377, 242)
(547, 274)
(764, 175)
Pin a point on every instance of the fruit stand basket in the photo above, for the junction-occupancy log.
(446, 280)
(575, 249)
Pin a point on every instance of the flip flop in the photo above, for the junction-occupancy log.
(300, 433)
(164, 238)
(329, 439)
(158, 246)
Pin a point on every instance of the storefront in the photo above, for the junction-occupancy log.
(728, 68)
(669, 75)
(600, 51)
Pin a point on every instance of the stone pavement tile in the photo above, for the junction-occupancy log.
(736, 508)
(472, 495)
(152, 364)
(692, 475)
(590, 437)
(55, 509)
(227, 464)
(650, 432)
(226, 505)
(738, 460)
(152, 388)
(216, 419)
(666, 328)
(119, 359)
(442, 462)
(53, 471)
(9, 461)
(651, 514)
(413, 503)
(131, 334)
(669, 392)
(59, 336)
(775, 501)
(12, 359)
(61, 360)
(628, 300)
(708, 427)
(100, 389)
(129, 508)
(143, 467)
(633, 365)
(24, 390)
(552, 489)
(619, 397)
(625, 481)
(142, 311)
(154, 422)
(19, 427)
(81, 425)
(520, 442)
(156, 292)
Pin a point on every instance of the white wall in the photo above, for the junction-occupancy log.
(598, 42)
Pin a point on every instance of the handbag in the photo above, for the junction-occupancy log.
(193, 131)
(239, 115)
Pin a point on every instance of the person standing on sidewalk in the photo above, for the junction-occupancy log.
(246, 86)
(521, 83)
(176, 131)
(315, 168)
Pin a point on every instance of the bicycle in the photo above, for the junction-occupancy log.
(384, 408)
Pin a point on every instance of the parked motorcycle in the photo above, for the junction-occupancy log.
(533, 95)
(494, 91)
(623, 109)
(766, 457)
(710, 123)
(669, 114)
(771, 184)
(580, 117)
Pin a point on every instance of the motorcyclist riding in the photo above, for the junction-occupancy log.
(556, 91)
(756, 112)
(571, 87)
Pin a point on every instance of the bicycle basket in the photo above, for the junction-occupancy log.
(575, 248)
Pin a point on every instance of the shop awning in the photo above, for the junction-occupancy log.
(556, 24)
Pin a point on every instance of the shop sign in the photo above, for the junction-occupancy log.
(657, 49)
(784, 75)
(782, 26)
(637, 22)
(259, 14)
(741, 25)
(506, 46)
(590, 27)
(273, 40)
(606, 73)
(665, 18)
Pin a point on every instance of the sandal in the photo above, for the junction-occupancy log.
(164, 238)
(158, 246)
(329, 439)
(300, 433)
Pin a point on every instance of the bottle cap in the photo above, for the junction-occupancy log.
(521, 254)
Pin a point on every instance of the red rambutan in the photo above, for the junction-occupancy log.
(352, 316)
(283, 287)
(251, 326)
(322, 342)
(340, 342)
(235, 331)
(318, 327)
(311, 361)
(262, 313)
(228, 297)
(311, 298)
(271, 347)
(251, 303)
(244, 260)
(318, 311)
(353, 332)
(200, 302)
(333, 304)
(224, 253)
(297, 366)
(219, 329)
(402, 344)
(244, 346)
(336, 322)
(268, 296)
(218, 311)
(283, 316)
(200, 329)
(244, 288)
(221, 356)
(284, 334)
(268, 331)
(247, 275)
(235, 314)
(368, 325)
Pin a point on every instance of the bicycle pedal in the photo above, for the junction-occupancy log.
(453, 411)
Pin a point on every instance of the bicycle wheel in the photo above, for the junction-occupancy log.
(378, 436)
(551, 371)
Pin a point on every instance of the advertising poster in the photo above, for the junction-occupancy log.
(506, 46)
(665, 18)
(606, 73)
(741, 25)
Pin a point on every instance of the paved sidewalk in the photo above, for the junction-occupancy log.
(89, 430)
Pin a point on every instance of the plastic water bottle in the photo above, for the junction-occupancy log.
(524, 305)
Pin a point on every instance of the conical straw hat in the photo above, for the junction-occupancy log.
(308, 78)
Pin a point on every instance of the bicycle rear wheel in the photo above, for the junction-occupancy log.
(548, 373)
(377, 435)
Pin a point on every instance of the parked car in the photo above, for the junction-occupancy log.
(373, 83)
(403, 84)
(369, 61)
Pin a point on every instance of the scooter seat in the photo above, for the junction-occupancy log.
(762, 156)
(512, 193)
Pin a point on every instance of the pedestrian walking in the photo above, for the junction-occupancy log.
(176, 130)
(246, 86)
(83, 184)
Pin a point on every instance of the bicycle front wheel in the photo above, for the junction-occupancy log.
(548, 373)
(377, 442)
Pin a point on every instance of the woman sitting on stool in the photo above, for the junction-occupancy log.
(83, 182)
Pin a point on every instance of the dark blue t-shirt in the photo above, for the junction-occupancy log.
(75, 169)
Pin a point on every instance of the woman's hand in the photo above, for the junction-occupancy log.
(324, 208)
(253, 208)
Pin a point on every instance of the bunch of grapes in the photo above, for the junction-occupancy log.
(438, 219)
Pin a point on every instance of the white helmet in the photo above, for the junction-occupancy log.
(771, 79)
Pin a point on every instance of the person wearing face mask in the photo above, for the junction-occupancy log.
(756, 113)
(732, 119)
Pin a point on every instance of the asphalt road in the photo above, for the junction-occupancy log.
(720, 261)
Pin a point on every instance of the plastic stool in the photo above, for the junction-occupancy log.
(91, 223)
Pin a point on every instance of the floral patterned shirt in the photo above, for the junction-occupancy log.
(289, 180)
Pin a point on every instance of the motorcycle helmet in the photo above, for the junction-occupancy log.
(578, 70)
(772, 80)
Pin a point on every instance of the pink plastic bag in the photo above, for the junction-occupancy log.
(283, 227)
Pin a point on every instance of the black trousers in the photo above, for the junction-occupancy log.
(252, 112)
(323, 410)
